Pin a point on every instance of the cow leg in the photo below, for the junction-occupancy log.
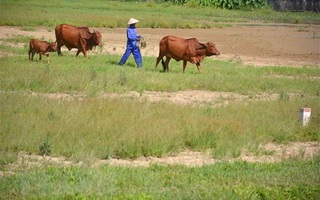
(40, 56)
(79, 50)
(164, 67)
(82, 47)
(29, 55)
(83, 51)
(32, 55)
(59, 45)
(184, 65)
(199, 67)
(157, 62)
(48, 59)
(167, 64)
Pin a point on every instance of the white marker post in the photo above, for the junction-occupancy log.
(305, 116)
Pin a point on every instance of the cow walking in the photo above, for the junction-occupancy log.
(41, 48)
(184, 49)
(77, 37)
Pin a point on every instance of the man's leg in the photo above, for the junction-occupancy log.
(137, 57)
(125, 56)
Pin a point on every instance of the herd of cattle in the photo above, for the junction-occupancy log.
(71, 36)
(82, 39)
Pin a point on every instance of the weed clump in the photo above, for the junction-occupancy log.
(45, 148)
(122, 78)
(284, 96)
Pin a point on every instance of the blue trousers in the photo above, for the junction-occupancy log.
(136, 55)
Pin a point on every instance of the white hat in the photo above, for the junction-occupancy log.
(132, 21)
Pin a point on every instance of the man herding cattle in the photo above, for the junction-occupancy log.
(41, 47)
(184, 49)
(77, 37)
(132, 44)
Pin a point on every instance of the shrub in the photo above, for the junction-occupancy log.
(225, 4)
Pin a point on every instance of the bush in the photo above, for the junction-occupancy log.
(225, 4)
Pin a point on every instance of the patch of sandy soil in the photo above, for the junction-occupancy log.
(193, 97)
(271, 153)
(256, 44)
(190, 97)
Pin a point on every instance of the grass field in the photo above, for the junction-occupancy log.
(239, 180)
(198, 128)
(89, 125)
(99, 13)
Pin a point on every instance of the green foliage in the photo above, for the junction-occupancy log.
(225, 4)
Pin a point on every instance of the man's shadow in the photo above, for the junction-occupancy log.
(130, 64)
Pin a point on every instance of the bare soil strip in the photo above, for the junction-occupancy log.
(272, 153)
(195, 97)
(190, 97)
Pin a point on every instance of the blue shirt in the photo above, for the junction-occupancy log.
(132, 37)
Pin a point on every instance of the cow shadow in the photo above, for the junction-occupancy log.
(167, 72)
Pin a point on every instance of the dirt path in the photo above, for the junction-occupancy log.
(258, 44)
(276, 153)
(189, 97)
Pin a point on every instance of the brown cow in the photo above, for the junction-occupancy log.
(77, 37)
(41, 47)
(184, 49)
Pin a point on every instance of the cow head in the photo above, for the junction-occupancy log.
(52, 47)
(97, 38)
(211, 49)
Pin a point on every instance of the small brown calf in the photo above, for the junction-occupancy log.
(41, 47)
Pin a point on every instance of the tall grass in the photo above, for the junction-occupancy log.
(151, 14)
(103, 128)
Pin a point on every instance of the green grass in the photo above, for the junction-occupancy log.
(103, 128)
(48, 121)
(101, 73)
(240, 180)
(116, 13)
(91, 126)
